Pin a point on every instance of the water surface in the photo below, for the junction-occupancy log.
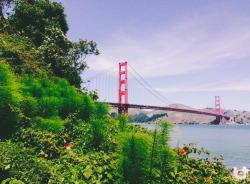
(233, 142)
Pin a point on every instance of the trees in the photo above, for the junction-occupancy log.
(44, 23)
(35, 19)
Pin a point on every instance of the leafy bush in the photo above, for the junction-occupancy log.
(203, 169)
(94, 167)
(29, 107)
(123, 120)
(163, 158)
(71, 105)
(20, 163)
(20, 54)
(48, 106)
(45, 144)
(134, 161)
(54, 124)
(102, 110)
(9, 101)
(98, 133)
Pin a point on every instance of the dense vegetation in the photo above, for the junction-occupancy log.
(52, 131)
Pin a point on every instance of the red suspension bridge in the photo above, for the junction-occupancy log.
(124, 104)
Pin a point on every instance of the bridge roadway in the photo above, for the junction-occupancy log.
(136, 106)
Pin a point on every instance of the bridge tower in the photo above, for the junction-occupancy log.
(123, 88)
(218, 109)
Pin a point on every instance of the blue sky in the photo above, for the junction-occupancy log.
(188, 50)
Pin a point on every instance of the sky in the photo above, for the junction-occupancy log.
(188, 50)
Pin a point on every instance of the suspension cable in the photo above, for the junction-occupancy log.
(100, 74)
(162, 97)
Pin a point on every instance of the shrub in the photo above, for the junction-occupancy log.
(29, 107)
(123, 120)
(45, 144)
(9, 100)
(93, 167)
(54, 124)
(71, 105)
(163, 158)
(135, 158)
(19, 162)
(102, 110)
(203, 169)
(48, 106)
(20, 54)
(98, 133)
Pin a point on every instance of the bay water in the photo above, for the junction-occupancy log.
(231, 141)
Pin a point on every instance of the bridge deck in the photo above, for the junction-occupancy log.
(136, 106)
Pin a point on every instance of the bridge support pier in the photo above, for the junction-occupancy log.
(218, 120)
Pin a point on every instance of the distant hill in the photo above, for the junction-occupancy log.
(237, 117)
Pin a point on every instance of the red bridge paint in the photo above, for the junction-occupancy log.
(136, 106)
(123, 88)
(217, 108)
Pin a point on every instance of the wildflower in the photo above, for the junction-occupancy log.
(214, 172)
(209, 179)
(67, 145)
(182, 151)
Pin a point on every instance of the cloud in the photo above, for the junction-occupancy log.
(187, 46)
(236, 85)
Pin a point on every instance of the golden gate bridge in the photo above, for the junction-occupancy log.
(123, 103)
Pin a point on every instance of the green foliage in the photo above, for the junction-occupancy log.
(19, 163)
(163, 158)
(43, 23)
(12, 181)
(164, 133)
(45, 143)
(94, 167)
(88, 107)
(102, 110)
(56, 97)
(123, 120)
(207, 169)
(70, 105)
(31, 18)
(54, 124)
(48, 106)
(10, 97)
(20, 54)
(76, 58)
(98, 133)
(134, 161)
(29, 106)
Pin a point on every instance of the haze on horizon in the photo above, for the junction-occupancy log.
(190, 51)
